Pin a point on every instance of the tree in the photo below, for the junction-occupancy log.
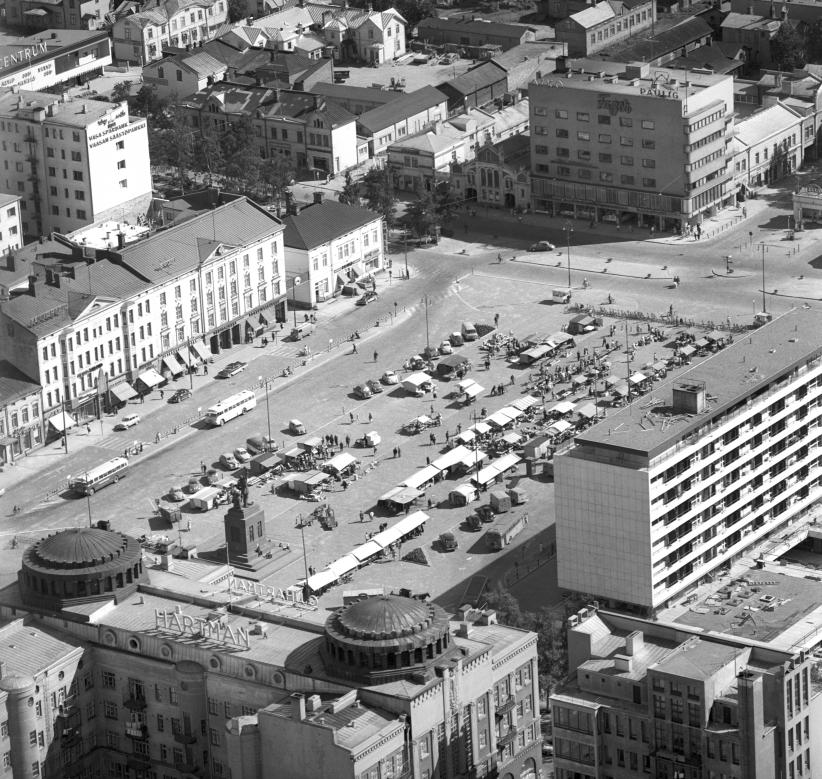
(121, 91)
(147, 103)
(277, 174)
(378, 192)
(350, 193)
(813, 42)
(788, 48)
(236, 10)
(422, 214)
(447, 202)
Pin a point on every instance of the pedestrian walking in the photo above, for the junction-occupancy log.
(496, 320)
(162, 394)
(370, 417)
(351, 417)
(348, 440)
(205, 369)
(362, 516)
(375, 355)
(142, 398)
(394, 452)
(375, 450)
(399, 452)
(202, 467)
(88, 429)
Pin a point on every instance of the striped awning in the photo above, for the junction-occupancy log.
(173, 365)
(199, 350)
(123, 392)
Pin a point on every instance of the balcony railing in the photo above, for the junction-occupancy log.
(136, 730)
(508, 738)
(506, 706)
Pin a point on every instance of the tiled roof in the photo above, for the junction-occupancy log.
(477, 78)
(761, 125)
(445, 138)
(409, 104)
(14, 383)
(203, 63)
(323, 222)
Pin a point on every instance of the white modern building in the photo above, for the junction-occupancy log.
(331, 244)
(72, 161)
(653, 501)
(11, 226)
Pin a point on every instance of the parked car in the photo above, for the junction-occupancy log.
(130, 420)
(389, 377)
(541, 246)
(241, 454)
(228, 461)
(430, 353)
(374, 386)
(445, 347)
(362, 391)
(180, 396)
(367, 297)
(176, 493)
(456, 339)
(232, 369)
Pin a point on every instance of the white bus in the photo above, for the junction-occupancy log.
(231, 407)
(96, 478)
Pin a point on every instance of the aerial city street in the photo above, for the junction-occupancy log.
(410, 392)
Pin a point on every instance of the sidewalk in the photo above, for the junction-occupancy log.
(85, 442)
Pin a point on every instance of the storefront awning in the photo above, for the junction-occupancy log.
(173, 365)
(150, 378)
(6, 441)
(250, 324)
(35, 12)
(184, 356)
(123, 392)
(262, 319)
(199, 350)
(61, 422)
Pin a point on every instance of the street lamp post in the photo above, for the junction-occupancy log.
(294, 284)
(568, 228)
(405, 243)
(267, 407)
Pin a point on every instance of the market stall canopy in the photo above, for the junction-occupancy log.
(561, 338)
(473, 458)
(659, 366)
(512, 438)
(512, 412)
(612, 381)
(495, 468)
(637, 378)
(620, 389)
(563, 407)
(701, 343)
(402, 496)
(464, 384)
(715, 336)
(387, 537)
(416, 480)
(340, 462)
(344, 565)
(535, 353)
(410, 523)
(468, 491)
(61, 422)
(560, 426)
(451, 457)
(367, 551)
(150, 378)
(466, 436)
(587, 410)
(123, 392)
(474, 390)
(480, 428)
(417, 379)
(525, 402)
(314, 479)
(498, 419)
(321, 579)
(579, 379)
(314, 442)
(687, 351)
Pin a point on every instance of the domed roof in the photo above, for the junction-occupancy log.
(386, 616)
(80, 546)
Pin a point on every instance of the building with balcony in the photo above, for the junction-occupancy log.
(329, 245)
(72, 161)
(652, 502)
(652, 145)
(666, 699)
(129, 685)
(96, 308)
(140, 37)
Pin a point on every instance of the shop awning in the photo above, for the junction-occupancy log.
(410, 523)
(367, 551)
(6, 440)
(250, 324)
(173, 365)
(262, 319)
(184, 356)
(150, 378)
(61, 422)
(416, 480)
(35, 12)
(199, 350)
(525, 402)
(123, 392)
(322, 579)
(340, 462)
(344, 565)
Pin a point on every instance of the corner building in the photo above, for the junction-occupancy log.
(649, 145)
(109, 668)
(654, 501)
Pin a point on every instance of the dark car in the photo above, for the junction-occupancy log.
(374, 385)
(180, 396)
(366, 298)
(232, 369)
(541, 246)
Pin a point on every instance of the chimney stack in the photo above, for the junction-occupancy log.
(298, 706)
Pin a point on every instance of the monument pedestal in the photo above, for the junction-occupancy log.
(246, 542)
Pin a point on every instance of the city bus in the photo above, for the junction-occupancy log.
(102, 475)
(503, 532)
(231, 407)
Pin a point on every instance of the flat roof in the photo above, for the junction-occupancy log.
(731, 374)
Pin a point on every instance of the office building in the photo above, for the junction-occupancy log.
(655, 500)
(72, 161)
(116, 303)
(103, 676)
(671, 700)
(640, 144)
(11, 226)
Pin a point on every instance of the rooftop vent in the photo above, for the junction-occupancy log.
(689, 397)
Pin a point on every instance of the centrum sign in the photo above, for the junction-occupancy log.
(29, 53)
(277, 594)
(199, 627)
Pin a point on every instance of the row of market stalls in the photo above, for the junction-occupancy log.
(405, 529)
(309, 480)
(539, 347)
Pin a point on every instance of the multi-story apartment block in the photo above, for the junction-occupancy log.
(670, 700)
(329, 245)
(11, 225)
(650, 145)
(140, 37)
(113, 312)
(305, 128)
(605, 24)
(72, 161)
(651, 502)
(21, 418)
(53, 57)
(148, 684)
